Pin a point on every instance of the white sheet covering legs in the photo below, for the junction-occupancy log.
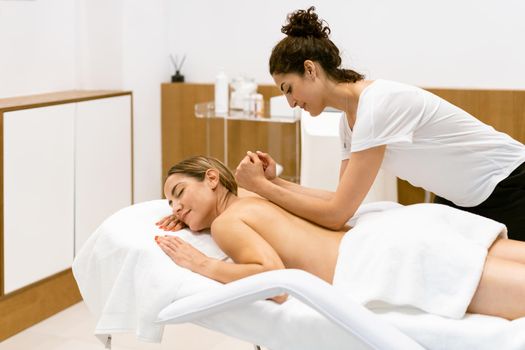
(429, 256)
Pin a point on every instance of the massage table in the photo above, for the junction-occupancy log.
(132, 286)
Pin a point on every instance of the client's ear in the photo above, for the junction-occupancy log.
(212, 178)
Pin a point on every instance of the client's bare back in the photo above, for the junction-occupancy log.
(299, 243)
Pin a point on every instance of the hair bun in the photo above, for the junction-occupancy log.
(304, 23)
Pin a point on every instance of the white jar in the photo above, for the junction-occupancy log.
(221, 94)
(254, 105)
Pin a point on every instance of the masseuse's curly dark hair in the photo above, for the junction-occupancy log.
(307, 38)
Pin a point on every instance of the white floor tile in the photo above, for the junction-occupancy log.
(73, 329)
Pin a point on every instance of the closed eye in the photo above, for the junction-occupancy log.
(174, 190)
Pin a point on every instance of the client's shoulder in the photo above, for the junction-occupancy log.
(244, 206)
(244, 210)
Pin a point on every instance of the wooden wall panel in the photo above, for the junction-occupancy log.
(502, 109)
(184, 135)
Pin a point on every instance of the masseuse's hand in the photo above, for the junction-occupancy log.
(269, 165)
(250, 172)
(170, 223)
(182, 253)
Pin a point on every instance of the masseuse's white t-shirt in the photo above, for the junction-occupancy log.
(431, 143)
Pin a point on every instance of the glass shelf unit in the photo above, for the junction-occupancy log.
(206, 110)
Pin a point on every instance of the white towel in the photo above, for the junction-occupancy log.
(124, 277)
(428, 256)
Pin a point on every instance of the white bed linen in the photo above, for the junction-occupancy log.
(126, 280)
(124, 277)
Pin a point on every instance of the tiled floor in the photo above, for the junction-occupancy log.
(73, 329)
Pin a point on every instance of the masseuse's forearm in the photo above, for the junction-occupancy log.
(296, 188)
(323, 211)
(225, 272)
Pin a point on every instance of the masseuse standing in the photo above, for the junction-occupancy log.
(409, 132)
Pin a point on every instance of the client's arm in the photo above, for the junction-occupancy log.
(249, 251)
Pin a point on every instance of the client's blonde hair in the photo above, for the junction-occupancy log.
(197, 166)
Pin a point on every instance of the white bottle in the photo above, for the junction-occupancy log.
(221, 94)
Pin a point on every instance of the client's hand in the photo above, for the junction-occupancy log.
(182, 253)
(170, 223)
(250, 172)
(279, 299)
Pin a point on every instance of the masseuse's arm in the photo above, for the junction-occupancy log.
(269, 173)
(342, 169)
(313, 192)
(296, 188)
(357, 179)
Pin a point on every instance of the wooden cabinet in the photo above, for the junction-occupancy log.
(66, 165)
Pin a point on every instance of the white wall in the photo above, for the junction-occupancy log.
(100, 53)
(124, 46)
(37, 47)
(448, 43)
(53, 45)
(145, 66)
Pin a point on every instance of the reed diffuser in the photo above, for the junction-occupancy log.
(177, 77)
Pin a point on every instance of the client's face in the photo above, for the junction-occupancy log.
(193, 201)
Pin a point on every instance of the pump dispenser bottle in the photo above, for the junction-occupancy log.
(221, 93)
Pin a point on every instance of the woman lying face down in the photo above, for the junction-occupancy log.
(256, 234)
(260, 236)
